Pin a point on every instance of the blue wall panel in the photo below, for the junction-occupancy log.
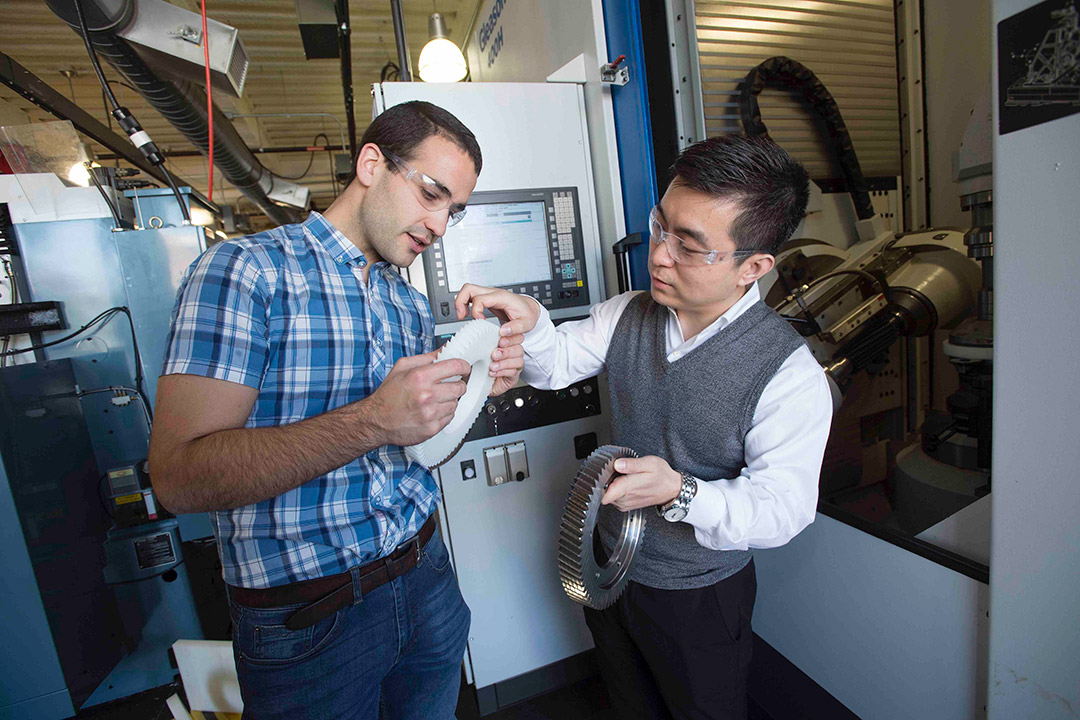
(633, 129)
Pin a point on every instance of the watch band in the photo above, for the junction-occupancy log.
(681, 504)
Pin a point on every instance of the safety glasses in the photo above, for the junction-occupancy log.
(430, 193)
(683, 254)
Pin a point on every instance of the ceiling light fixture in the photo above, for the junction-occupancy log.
(441, 60)
(79, 175)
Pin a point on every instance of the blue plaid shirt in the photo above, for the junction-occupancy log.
(287, 311)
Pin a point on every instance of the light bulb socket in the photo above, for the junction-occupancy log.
(437, 26)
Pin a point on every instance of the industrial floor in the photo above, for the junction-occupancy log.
(584, 700)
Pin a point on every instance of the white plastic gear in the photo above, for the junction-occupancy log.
(473, 343)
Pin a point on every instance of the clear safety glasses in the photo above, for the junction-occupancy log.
(431, 194)
(683, 254)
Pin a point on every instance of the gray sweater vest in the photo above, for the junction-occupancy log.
(694, 413)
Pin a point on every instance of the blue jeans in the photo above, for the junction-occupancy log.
(395, 654)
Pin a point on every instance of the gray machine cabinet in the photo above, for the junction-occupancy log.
(89, 268)
(503, 537)
(505, 549)
(49, 464)
(54, 457)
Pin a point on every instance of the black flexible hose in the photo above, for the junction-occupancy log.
(872, 279)
(101, 317)
(104, 315)
(791, 75)
(880, 333)
(176, 192)
(127, 121)
(85, 33)
(104, 196)
(179, 104)
(182, 105)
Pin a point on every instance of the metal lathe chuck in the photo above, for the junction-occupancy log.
(584, 578)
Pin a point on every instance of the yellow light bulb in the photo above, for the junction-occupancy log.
(441, 60)
(78, 175)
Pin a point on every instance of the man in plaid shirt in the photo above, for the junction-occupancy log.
(299, 364)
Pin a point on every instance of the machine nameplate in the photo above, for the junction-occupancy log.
(154, 551)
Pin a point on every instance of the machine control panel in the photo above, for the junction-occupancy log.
(522, 408)
(529, 242)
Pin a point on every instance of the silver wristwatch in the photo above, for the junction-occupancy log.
(676, 510)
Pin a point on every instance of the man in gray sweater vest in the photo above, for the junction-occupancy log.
(727, 408)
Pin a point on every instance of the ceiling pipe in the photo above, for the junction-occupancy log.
(183, 105)
(272, 150)
(341, 7)
(404, 60)
(341, 130)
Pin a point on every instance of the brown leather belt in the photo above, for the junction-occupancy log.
(326, 595)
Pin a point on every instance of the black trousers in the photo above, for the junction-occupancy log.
(678, 653)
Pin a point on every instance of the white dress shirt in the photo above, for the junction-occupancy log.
(775, 495)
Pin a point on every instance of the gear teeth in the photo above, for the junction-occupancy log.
(434, 451)
(578, 570)
(451, 454)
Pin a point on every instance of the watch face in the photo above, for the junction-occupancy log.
(675, 514)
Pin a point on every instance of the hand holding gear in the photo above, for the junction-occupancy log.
(584, 578)
(474, 344)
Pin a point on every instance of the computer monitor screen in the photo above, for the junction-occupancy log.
(498, 244)
(529, 241)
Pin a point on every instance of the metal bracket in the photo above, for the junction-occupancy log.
(612, 74)
(685, 71)
(912, 114)
(186, 32)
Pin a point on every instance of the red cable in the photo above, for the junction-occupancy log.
(209, 101)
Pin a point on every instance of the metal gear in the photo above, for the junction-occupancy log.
(584, 578)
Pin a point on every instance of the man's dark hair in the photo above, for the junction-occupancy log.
(770, 188)
(401, 128)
